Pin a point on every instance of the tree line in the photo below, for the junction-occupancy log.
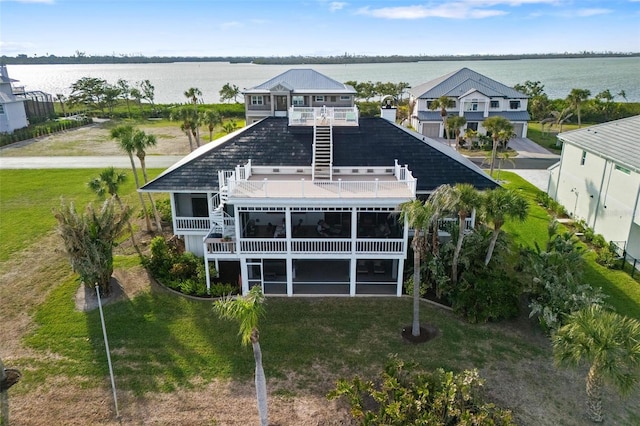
(83, 58)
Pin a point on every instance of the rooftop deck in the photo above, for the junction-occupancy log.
(323, 116)
(248, 181)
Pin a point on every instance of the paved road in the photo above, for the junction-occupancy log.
(80, 162)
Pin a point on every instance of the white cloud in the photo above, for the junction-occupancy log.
(457, 10)
(593, 12)
(336, 5)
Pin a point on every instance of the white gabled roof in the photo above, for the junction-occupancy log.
(299, 80)
(618, 141)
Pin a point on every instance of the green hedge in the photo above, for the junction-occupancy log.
(42, 129)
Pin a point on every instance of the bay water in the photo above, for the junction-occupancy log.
(171, 80)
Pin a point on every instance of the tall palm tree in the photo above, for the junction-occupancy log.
(212, 119)
(418, 216)
(498, 126)
(442, 103)
(609, 343)
(124, 135)
(248, 310)
(461, 199)
(108, 182)
(141, 141)
(194, 94)
(499, 205)
(575, 98)
(504, 157)
(455, 123)
(185, 115)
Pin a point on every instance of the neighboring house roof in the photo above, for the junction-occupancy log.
(461, 82)
(616, 140)
(271, 142)
(302, 81)
(475, 115)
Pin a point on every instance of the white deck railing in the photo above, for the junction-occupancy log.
(248, 181)
(323, 116)
(192, 224)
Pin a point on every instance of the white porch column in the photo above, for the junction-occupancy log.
(206, 271)
(244, 274)
(290, 275)
(352, 276)
(399, 280)
(174, 209)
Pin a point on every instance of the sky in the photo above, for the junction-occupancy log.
(316, 27)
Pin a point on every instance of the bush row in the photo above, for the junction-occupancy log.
(42, 129)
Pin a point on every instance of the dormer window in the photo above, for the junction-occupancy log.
(257, 100)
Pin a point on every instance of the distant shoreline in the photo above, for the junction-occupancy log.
(294, 60)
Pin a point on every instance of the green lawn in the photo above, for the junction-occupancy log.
(622, 290)
(28, 197)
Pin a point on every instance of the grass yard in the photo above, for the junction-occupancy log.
(623, 291)
(28, 198)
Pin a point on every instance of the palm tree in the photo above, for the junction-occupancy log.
(184, 115)
(609, 343)
(442, 103)
(418, 216)
(61, 98)
(463, 199)
(108, 182)
(248, 310)
(124, 135)
(212, 119)
(470, 135)
(499, 205)
(89, 239)
(575, 98)
(194, 94)
(125, 93)
(454, 123)
(141, 141)
(229, 126)
(498, 126)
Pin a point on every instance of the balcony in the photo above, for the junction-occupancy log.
(323, 116)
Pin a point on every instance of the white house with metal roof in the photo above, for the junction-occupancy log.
(300, 88)
(12, 112)
(598, 180)
(474, 97)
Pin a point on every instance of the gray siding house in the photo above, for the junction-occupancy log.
(473, 96)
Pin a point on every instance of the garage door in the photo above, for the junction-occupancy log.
(517, 129)
(431, 130)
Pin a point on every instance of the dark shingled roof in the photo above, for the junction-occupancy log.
(271, 142)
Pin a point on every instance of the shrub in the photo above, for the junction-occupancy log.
(607, 257)
(598, 241)
(184, 272)
(405, 395)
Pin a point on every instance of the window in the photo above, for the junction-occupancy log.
(297, 100)
(584, 158)
(1, 109)
(495, 104)
(474, 105)
(333, 99)
(623, 170)
(473, 125)
(514, 104)
(319, 98)
(345, 98)
(257, 100)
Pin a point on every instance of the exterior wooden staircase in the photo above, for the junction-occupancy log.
(322, 152)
